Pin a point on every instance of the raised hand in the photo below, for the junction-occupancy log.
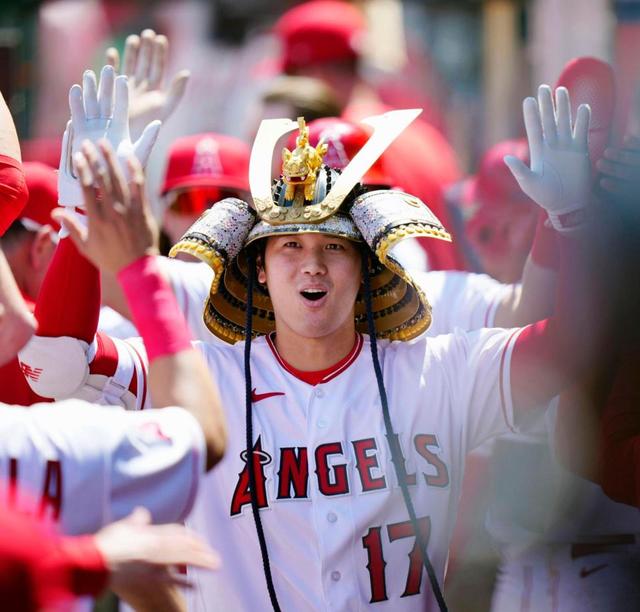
(142, 559)
(96, 113)
(145, 64)
(559, 179)
(120, 227)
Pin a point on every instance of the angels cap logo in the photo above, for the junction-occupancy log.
(207, 158)
(336, 156)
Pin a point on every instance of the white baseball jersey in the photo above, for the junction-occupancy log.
(190, 282)
(84, 466)
(461, 299)
(336, 526)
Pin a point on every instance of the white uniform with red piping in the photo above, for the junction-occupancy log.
(83, 466)
(335, 523)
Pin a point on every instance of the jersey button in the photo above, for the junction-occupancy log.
(319, 392)
(335, 576)
(322, 423)
(332, 517)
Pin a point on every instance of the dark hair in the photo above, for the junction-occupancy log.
(15, 234)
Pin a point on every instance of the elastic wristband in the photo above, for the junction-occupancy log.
(544, 251)
(154, 308)
(568, 221)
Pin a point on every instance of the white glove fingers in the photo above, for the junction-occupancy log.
(563, 114)
(120, 123)
(519, 169)
(158, 62)
(547, 115)
(144, 144)
(131, 48)
(144, 56)
(87, 179)
(65, 151)
(105, 91)
(581, 127)
(533, 126)
(76, 105)
(72, 227)
(176, 91)
(112, 58)
(90, 94)
(118, 184)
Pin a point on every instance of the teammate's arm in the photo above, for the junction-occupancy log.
(549, 354)
(533, 299)
(120, 239)
(13, 187)
(132, 557)
(17, 324)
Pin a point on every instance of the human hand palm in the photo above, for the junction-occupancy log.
(559, 175)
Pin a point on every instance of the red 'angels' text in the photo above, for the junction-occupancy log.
(295, 464)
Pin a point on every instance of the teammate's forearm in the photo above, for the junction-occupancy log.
(16, 322)
(177, 373)
(9, 144)
(552, 353)
(534, 299)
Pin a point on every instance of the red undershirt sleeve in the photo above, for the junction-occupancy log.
(69, 300)
(550, 354)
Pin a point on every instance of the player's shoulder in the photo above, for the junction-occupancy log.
(458, 342)
(186, 271)
(219, 353)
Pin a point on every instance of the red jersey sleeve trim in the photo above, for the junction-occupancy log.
(506, 399)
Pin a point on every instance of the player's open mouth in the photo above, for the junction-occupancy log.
(313, 294)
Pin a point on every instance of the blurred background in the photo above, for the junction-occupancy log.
(467, 62)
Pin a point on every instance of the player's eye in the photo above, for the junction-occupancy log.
(291, 244)
(334, 246)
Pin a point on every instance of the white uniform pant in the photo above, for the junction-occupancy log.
(568, 578)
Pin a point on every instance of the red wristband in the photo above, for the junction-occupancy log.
(87, 570)
(544, 251)
(154, 308)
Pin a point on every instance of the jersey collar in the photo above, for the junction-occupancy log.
(320, 376)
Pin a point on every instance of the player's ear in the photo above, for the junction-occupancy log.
(42, 248)
(260, 262)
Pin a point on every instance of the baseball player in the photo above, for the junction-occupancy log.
(325, 475)
(51, 455)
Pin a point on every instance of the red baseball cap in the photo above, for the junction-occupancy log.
(592, 81)
(320, 31)
(494, 185)
(207, 160)
(344, 140)
(42, 182)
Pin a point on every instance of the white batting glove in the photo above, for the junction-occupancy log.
(559, 179)
(95, 115)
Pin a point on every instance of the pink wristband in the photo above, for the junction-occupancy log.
(154, 309)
